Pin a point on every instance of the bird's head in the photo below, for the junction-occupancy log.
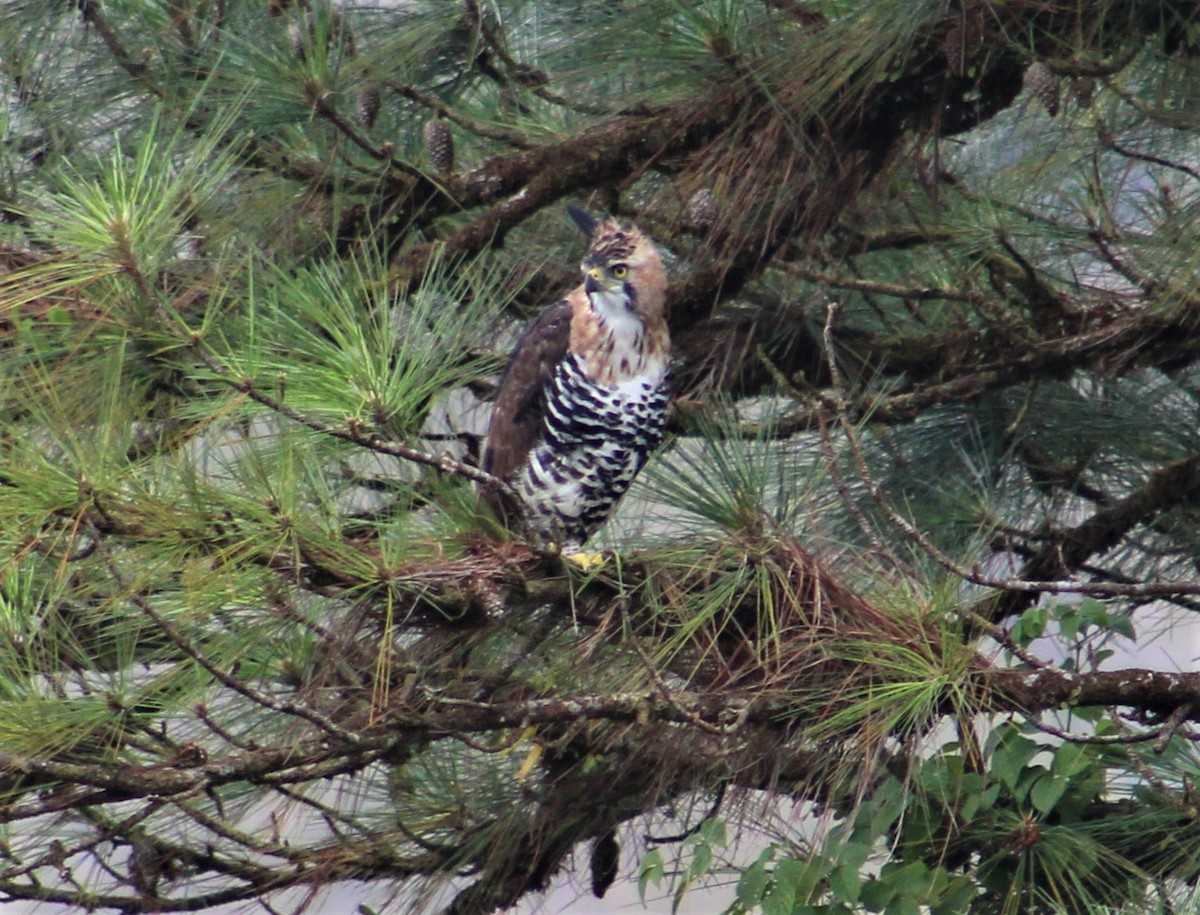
(622, 271)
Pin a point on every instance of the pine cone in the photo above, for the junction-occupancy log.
(439, 146)
(1041, 81)
(338, 35)
(701, 211)
(368, 104)
(297, 38)
(954, 42)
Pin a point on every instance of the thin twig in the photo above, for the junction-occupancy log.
(665, 693)
(242, 688)
(250, 841)
(51, 856)
(1098, 740)
(433, 103)
(972, 574)
(323, 105)
(90, 11)
(1169, 727)
(897, 290)
(1174, 117)
(1109, 141)
(713, 810)
(848, 499)
(350, 433)
(524, 75)
(213, 725)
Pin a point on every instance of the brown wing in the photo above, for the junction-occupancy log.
(517, 415)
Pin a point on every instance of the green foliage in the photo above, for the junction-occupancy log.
(905, 846)
(735, 483)
(339, 342)
(246, 326)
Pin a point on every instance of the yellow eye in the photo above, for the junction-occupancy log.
(619, 271)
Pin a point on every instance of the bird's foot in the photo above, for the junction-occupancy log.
(587, 560)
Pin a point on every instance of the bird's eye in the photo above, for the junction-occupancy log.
(620, 271)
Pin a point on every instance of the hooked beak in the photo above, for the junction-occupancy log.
(593, 281)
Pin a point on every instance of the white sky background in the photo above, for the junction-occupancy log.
(1168, 639)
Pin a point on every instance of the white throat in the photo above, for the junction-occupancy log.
(625, 325)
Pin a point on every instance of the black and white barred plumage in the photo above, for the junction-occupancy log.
(597, 440)
(582, 403)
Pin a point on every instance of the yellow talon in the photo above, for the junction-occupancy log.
(586, 561)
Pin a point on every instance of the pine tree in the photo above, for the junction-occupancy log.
(878, 628)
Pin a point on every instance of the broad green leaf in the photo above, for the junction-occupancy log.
(1046, 792)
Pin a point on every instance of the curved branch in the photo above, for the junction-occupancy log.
(1172, 485)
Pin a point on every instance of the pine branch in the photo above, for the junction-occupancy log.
(1150, 692)
(366, 439)
(488, 131)
(1096, 536)
(959, 368)
(207, 644)
(92, 15)
(1170, 486)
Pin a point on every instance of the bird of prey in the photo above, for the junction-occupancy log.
(582, 402)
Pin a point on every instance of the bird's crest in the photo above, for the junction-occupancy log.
(583, 219)
(610, 238)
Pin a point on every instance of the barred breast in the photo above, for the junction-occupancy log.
(597, 438)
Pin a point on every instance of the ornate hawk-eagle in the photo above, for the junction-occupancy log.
(583, 400)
